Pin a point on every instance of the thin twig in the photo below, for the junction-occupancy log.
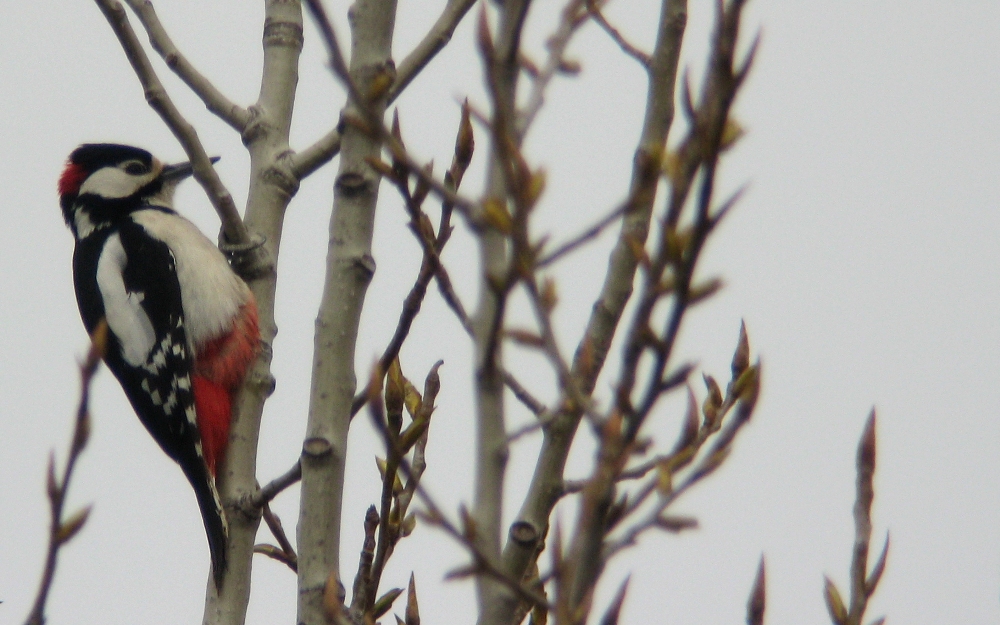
(432, 245)
(557, 44)
(276, 553)
(321, 152)
(275, 486)
(615, 34)
(584, 237)
(62, 530)
(315, 156)
(757, 602)
(373, 124)
(274, 524)
(593, 347)
(435, 516)
(226, 110)
(635, 473)
(523, 395)
(436, 38)
(544, 419)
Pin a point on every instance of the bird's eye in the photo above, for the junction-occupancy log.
(135, 168)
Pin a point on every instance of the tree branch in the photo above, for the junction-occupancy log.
(616, 36)
(271, 187)
(321, 152)
(62, 531)
(500, 61)
(226, 110)
(546, 484)
(158, 99)
(573, 16)
(264, 496)
(315, 156)
(349, 270)
(433, 42)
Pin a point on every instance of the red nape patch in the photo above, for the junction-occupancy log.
(71, 179)
(213, 404)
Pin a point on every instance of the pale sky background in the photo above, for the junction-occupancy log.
(864, 259)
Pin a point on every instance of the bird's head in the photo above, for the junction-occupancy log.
(105, 181)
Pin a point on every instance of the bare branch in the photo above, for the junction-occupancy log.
(433, 42)
(432, 244)
(276, 553)
(349, 270)
(274, 524)
(627, 48)
(435, 516)
(62, 530)
(584, 237)
(862, 585)
(228, 111)
(270, 491)
(500, 61)
(592, 350)
(318, 154)
(573, 15)
(315, 156)
(758, 597)
(158, 99)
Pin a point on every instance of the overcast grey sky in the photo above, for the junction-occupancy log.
(864, 259)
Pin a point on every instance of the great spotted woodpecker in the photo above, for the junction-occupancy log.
(183, 327)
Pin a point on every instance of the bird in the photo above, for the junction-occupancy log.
(183, 328)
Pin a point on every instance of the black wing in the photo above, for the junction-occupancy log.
(147, 349)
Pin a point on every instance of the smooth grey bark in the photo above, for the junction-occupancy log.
(350, 267)
(502, 71)
(272, 186)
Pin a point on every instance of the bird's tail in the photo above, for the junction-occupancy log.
(212, 514)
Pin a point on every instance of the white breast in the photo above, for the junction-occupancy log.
(211, 293)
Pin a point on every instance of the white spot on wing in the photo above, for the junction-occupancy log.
(124, 313)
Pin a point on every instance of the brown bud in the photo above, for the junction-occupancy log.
(714, 392)
(333, 598)
(756, 604)
(465, 142)
(495, 214)
(838, 611)
(51, 482)
(394, 391)
(396, 132)
(432, 383)
(384, 603)
(380, 85)
(412, 611)
(703, 290)
(741, 358)
(72, 525)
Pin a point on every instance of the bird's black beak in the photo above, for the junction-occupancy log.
(180, 171)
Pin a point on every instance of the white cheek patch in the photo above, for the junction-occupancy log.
(122, 309)
(113, 183)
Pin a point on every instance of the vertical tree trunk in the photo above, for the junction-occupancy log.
(350, 267)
